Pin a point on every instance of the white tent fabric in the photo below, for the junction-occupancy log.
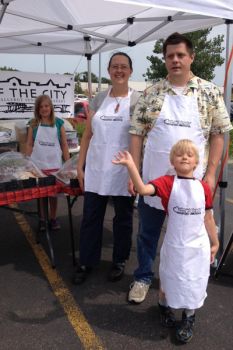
(215, 8)
(60, 26)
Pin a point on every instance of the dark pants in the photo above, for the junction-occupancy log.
(150, 224)
(91, 231)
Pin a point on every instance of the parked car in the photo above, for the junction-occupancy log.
(81, 110)
(81, 97)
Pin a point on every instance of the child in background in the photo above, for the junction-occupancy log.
(46, 144)
(190, 243)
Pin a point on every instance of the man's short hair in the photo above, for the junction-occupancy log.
(175, 39)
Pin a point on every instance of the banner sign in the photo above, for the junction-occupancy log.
(18, 91)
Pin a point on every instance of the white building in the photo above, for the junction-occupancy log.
(139, 86)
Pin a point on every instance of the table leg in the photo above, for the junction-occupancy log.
(47, 231)
(39, 222)
(70, 204)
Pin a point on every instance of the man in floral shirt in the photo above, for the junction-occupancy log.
(180, 106)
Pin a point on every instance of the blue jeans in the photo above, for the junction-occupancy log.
(150, 224)
(91, 231)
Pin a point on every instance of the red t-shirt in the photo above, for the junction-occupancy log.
(163, 187)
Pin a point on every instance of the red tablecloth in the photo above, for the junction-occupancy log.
(71, 191)
(37, 192)
(28, 194)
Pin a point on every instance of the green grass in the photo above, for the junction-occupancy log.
(80, 130)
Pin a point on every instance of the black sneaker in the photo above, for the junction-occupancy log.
(80, 274)
(167, 316)
(184, 332)
(117, 272)
(42, 226)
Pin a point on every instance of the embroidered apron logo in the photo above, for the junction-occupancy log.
(111, 118)
(187, 211)
(185, 124)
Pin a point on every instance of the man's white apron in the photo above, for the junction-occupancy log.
(185, 253)
(178, 119)
(46, 151)
(110, 135)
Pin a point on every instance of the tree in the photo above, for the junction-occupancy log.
(77, 88)
(84, 77)
(207, 56)
(106, 81)
(8, 68)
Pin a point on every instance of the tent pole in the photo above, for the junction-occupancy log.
(4, 3)
(89, 75)
(227, 98)
(44, 63)
(99, 85)
(88, 55)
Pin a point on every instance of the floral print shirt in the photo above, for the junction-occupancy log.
(214, 118)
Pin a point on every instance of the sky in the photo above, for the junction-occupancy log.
(63, 64)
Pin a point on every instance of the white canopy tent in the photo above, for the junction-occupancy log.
(60, 26)
(76, 27)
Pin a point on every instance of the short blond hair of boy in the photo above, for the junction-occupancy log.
(184, 146)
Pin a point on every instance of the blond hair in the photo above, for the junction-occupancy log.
(182, 147)
(37, 118)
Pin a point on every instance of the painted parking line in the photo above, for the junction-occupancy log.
(229, 200)
(88, 338)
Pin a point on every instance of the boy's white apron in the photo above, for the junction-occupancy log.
(178, 119)
(110, 135)
(47, 152)
(185, 253)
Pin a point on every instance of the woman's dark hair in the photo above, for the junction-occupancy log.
(175, 39)
(120, 53)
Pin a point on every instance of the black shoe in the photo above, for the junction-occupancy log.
(116, 273)
(167, 317)
(42, 226)
(80, 274)
(185, 332)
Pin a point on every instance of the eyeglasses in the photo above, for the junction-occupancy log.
(120, 66)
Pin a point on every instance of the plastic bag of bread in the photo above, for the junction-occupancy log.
(16, 166)
(68, 171)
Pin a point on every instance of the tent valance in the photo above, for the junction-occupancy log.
(74, 27)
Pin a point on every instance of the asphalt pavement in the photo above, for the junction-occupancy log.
(41, 309)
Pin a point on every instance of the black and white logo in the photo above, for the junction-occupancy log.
(43, 143)
(111, 118)
(182, 123)
(187, 211)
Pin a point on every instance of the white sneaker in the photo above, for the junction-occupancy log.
(138, 291)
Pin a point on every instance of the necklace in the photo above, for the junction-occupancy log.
(118, 101)
(116, 109)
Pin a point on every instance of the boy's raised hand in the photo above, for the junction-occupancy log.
(123, 158)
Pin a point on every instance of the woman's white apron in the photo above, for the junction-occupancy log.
(110, 135)
(178, 119)
(46, 151)
(185, 253)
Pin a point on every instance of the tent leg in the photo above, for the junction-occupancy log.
(89, 75)
(227, 98)
(99, 85)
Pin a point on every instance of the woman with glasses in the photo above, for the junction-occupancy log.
(106, 132)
